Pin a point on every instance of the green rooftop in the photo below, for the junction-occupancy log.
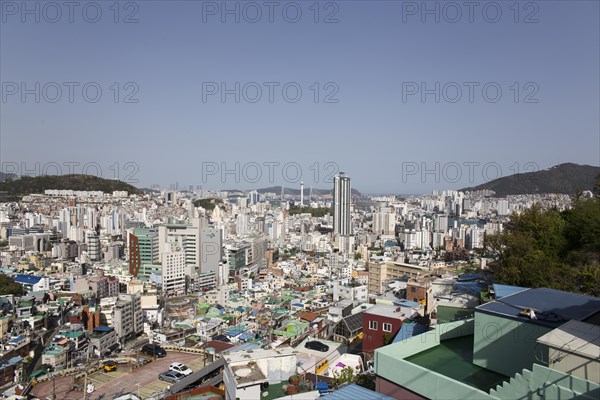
(71, 334)
(54, 351)
(454, 358)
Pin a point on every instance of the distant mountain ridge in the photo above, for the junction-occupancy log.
(26, 185)
(296, 192)
(4, 176)
(567, 178)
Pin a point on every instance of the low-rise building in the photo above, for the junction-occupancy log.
(245, 375)
(381, 323)
(104, 339)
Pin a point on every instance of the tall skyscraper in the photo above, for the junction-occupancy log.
(342, 221)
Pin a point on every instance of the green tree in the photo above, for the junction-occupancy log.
(345, 376)
(548, 248)
(8, 286)
(349, 375)
(387, 338)
(366, 380)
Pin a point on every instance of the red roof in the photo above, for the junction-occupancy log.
(218, 346)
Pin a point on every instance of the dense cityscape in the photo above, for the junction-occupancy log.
(299, 200)
(248, 294)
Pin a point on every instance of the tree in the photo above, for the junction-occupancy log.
(366, 380)
(8, 286)
(387, 338)
(345, 376)
(349, 375)
(548, 248)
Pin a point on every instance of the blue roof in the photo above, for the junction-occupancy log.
(471, 276)
(354, 392)
(18, 339)
(470, 287)
(552, 307)
(406, 303)
(15, 360)
(236, 331)
(506, 290)
(246, 336)
(408, 330)
(103, 329)
(27, 279)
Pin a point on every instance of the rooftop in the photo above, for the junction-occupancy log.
(575, 337)
(506, 290)
(385, 310)
(552, 307)
(27, 279)
(454, 358)
(247, 373)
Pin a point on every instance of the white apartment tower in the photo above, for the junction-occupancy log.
(342, 221)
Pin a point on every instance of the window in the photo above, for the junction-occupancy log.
(387, 327)
(373, 325)
(413, 289)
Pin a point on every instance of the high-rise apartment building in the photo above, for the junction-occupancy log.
(342, 197)
(211, 252)
(93, 246)
(144, 252)
(187, 238)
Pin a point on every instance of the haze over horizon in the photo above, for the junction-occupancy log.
(400, 105)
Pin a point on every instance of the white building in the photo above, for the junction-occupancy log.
(174, 270)
(244, 374)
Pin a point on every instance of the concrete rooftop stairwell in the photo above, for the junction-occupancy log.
(543, 384)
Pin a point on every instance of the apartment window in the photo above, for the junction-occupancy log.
(387, 327)
(373, 325)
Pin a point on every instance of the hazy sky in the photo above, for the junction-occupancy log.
(387, 91)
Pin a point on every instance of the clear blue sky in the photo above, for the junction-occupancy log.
(380, 132)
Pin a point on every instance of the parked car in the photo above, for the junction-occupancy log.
(316, 345)
(181, 368)
(110, 366)
(171, 376)
(154, 350)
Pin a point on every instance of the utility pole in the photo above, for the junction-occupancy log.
(53, 387)
(87, 366)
